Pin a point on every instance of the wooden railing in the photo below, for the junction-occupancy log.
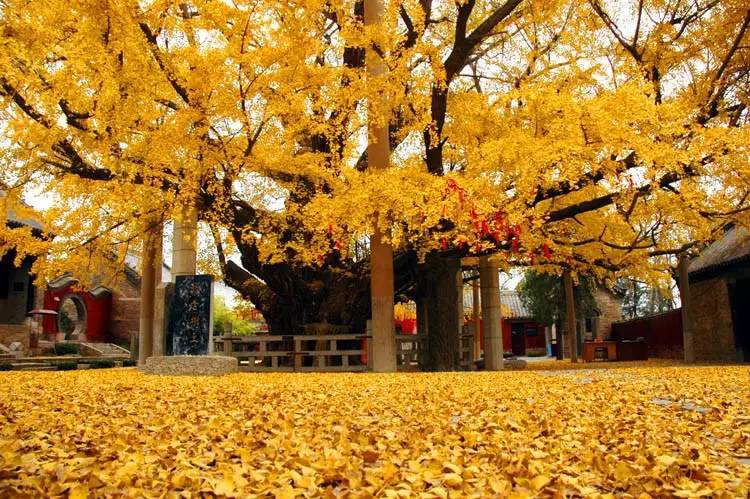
(330, 352)
(409, 352)
(327, 352)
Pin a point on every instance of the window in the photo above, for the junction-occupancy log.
(589, 324)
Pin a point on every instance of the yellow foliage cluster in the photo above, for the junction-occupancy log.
(639, 432)
(583, 134)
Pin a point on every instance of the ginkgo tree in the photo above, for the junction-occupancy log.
(594, 136)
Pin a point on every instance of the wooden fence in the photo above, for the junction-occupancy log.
(663, 332)
(327, 352)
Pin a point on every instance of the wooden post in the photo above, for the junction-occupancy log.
(383, 350)
(475, 319)
(570, 315)
(688, 343)
(150, 275)
(491, 314)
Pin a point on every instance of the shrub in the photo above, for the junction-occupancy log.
(67, 366)
(102, 364)
(129, 363)
(4, 366)
(67, 348)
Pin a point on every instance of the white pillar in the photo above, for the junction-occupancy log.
(184, 242)
(491, 314)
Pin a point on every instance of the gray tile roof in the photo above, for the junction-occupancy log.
(15, 219)
(512, 306)
(731, 248)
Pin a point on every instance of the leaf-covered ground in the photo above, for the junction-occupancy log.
(635, 432)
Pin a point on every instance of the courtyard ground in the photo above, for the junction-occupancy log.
(634, 430)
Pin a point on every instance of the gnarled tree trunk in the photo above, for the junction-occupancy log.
(440, 293)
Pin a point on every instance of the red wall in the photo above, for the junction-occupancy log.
(97, 312)
(663, 333)
(532, 342)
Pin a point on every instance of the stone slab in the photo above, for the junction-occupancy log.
(191, 316)
(192, 365)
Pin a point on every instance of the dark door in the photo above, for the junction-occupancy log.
(518, 339)
(740, 297)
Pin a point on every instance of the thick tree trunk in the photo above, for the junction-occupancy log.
(441, 297)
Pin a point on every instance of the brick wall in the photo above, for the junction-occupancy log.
(10, 333)
(124, 318)
(610, 310)
(711, 316)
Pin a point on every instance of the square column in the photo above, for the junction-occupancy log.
(491, 314)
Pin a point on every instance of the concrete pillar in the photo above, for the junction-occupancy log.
(570, 315)
(184, 242)
(383, 349)
(475, 319)
(151, 260)
(491, 314)
(688, 343)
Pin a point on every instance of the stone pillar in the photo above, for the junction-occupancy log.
(383, 349)
(475, 319)
(422, 331)
(460, 313)
(151, 260)
(570, 315)
(184, 241)
(491, 314)
(162, 298)
(688, 342)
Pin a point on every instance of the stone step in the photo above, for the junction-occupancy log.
(26, 367)
(104, 349)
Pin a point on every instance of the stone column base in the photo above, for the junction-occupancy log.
(192, 365)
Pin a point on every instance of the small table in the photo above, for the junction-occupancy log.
(599, 350)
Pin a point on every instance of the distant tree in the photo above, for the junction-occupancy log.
(223, 315)
(641, 300)
(544, 296)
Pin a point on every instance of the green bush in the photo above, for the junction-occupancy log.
(129, 363)
(67, 366)
(4, 366)
(67, 348)
(102, 364)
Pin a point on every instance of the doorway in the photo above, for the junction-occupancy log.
(739, 293)
(518, 339)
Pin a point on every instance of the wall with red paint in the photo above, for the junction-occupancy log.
(537, 342)
(97, 312)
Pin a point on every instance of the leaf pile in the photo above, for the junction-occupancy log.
(639, 432)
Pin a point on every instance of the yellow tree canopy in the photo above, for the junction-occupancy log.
(598, 135)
